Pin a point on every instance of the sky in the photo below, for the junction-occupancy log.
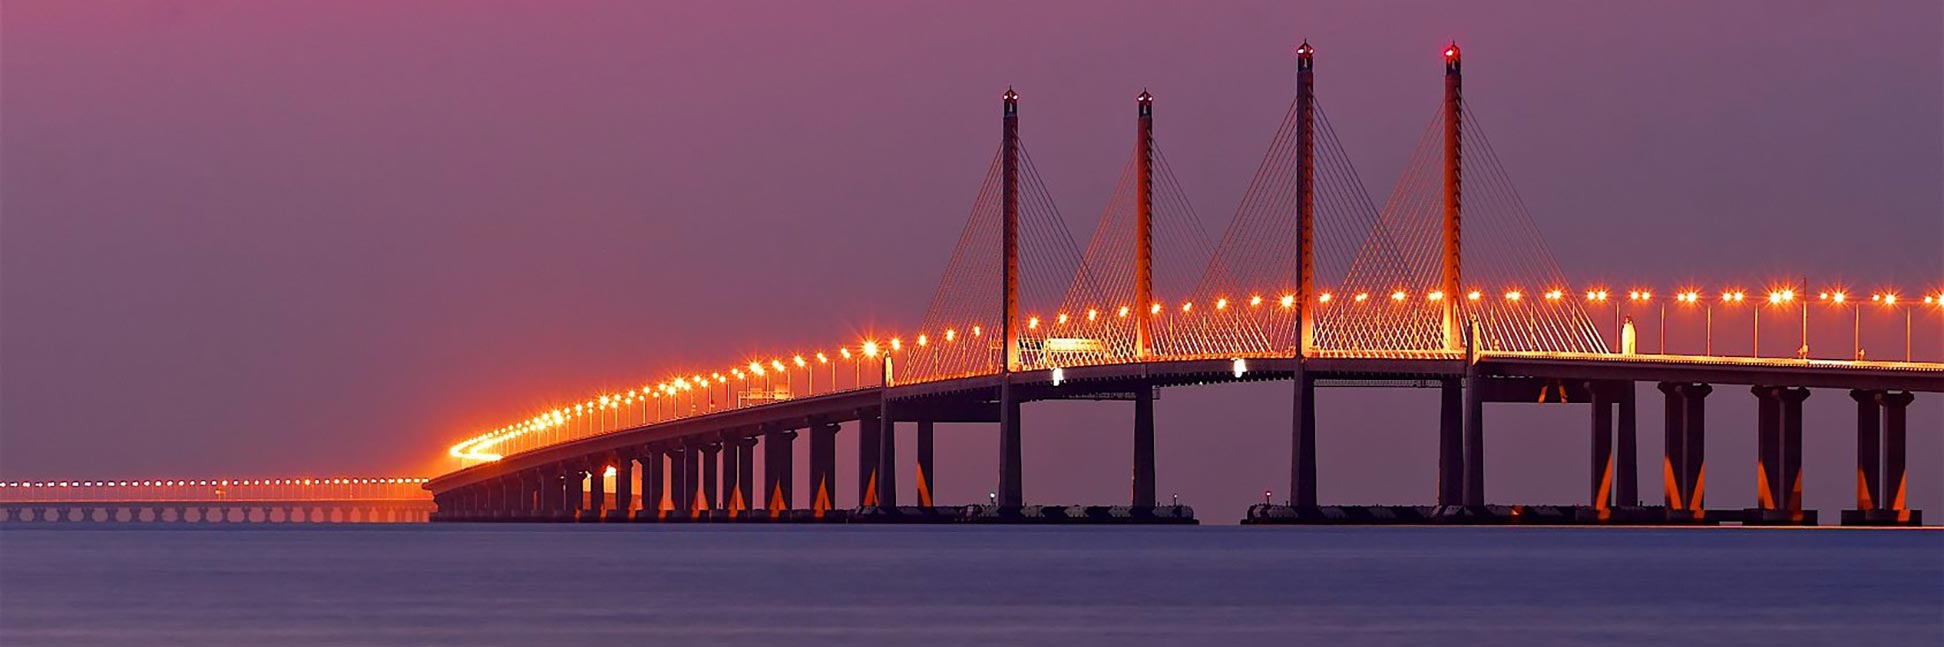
(268, 239)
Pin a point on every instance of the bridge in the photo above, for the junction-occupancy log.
(1444, 284)
(237, 500)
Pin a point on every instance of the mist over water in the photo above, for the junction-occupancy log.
(524, 585)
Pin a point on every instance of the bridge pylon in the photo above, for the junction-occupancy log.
(1143, 482)
(1302, 478)
(1454, 132)
(1011, 458)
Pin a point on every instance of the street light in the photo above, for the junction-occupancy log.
(1691, 297)
(825, 359)
(1644, 296)
(1599, 295)
(870, 350)
(1839, 299)
(1889, 300)
(1784, 297)
(1727, 298)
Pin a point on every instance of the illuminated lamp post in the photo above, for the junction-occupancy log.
(1782, 298)
(1727, 298)
(1599, 295)
(1840, 299)
(1889, 300)
(1644, 296)
(871, 351)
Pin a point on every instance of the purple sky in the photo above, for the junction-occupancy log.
(271, 238)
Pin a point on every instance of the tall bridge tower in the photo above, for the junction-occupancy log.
(1143, 486)
(1011, 460)
(1302, 479)
(1454, 112)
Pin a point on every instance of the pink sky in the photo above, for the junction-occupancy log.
(273, 238)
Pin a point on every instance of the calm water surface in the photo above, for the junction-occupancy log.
(528, 585)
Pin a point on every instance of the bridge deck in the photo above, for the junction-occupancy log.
(971, 399)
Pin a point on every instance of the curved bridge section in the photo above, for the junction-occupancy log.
(704, 467)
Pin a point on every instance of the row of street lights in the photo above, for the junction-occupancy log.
(606, 412)
(1780, 297)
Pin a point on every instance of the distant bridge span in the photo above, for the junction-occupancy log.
(237, 500)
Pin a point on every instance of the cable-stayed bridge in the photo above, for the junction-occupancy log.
(1443, 282)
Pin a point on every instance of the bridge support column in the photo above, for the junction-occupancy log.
(1695, 399)
(1302, 476)
(924, 475)
(731, 473)
(746, 474)
(1673, 449)
(509, 490)
(519, 503)
(681, 491)
(539, 501)
(1881, 482)
(532, 504)
(1791, 481)
(691, 473)
(1895, 482)
(1474, 438)
(1768, 447)
(772, 475)
(1869, 458)
(823, 468)
(492, 494)
(509, 501)
(597, 507)
(553, 498)
(779, 470)
(571, 493)
(887, 455)
(544, 494)
(1011, 492)
(1601, 488)
(623, 487)
(1627, 471)
(1143, 490)
(537, 504)
(711, 476)
(651, 483)
(1451, 442)
(869, 432)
